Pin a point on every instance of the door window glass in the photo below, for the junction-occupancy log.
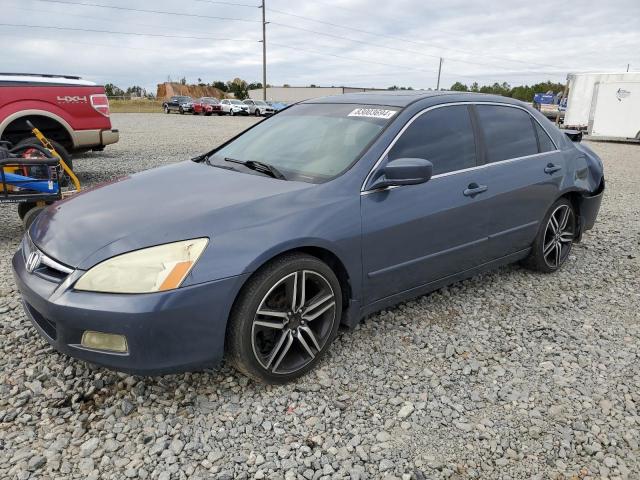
(444, 136)
(546, 145)
(508, 132)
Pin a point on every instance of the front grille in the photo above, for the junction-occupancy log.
(48, 268)
(45, 324)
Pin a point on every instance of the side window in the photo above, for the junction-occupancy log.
(444, 136)
(508, 132)
(546, 145)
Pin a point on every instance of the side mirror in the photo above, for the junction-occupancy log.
(404, 171)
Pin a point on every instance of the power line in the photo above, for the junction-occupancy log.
(229, 3)
(416, 42)
(162, 35)
(161, 12)
(378, 45)
(373, 62)
(106, 20)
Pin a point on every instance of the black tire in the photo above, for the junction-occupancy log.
(64, 179)
(24, 207)
(30, 216)
(231, 112)
(551, 248)
(181, 111)
(241, 337)
(257, 112)
(166, 110)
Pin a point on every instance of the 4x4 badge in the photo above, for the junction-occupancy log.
(33, 261)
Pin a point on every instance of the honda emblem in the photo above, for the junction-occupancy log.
(33, 261)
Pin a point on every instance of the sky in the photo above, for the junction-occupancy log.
(355, 43)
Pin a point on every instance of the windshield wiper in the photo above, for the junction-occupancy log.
(259, 167)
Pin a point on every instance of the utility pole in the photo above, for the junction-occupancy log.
(439, 71)
(628, 64)
(264, 53)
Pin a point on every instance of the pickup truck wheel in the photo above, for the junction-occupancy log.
(64, 179)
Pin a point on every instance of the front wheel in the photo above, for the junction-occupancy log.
(166, 110)
(555, 238)
(257, 113)
(284, 319)
(231, 112)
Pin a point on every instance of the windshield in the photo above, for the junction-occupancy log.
(211, 101)
(259, 102)
(185, 99)
(310, 142)
(236, 102)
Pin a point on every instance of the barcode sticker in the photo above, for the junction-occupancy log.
(372, 113)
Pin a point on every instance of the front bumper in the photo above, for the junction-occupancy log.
(166, 332)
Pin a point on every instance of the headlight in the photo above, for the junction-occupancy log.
(153, 269)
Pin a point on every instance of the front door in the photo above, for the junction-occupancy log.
(414, 235)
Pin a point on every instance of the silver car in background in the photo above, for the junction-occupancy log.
(234, 107)
(258, 107)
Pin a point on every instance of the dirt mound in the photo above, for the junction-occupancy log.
(169, 89)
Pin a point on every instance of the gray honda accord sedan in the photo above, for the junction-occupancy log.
(326, 212)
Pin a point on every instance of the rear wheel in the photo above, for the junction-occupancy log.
(284, 319)
(553, 243)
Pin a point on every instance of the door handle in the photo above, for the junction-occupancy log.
(551, 168)
(474, 189)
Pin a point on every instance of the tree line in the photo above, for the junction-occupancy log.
(521, 92)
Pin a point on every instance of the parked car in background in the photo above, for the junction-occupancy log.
(331, 210)
(277, 106)
(72, 112)
(178, 103)
(258, 107)
(234, 107)
(207, 106)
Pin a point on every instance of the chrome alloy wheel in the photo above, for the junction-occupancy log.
(558, 236)
(293, 322)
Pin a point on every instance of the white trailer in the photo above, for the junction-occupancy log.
(615, 112)
(581, 94)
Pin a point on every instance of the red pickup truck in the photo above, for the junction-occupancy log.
(69, 110)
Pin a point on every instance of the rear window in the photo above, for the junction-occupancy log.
(508, 132)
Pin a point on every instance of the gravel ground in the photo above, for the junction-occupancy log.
(508, 375)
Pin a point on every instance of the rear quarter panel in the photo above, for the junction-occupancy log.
(71, 103)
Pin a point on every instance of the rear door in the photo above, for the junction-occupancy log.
(524, 170)
(414, 235)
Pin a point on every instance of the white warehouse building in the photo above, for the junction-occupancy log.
(298, 94)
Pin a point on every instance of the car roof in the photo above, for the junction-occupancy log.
(403, 98)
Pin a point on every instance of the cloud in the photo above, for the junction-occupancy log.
(322, 42)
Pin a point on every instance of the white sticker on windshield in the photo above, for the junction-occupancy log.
(372, 113)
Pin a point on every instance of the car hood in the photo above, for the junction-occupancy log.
(177, 202)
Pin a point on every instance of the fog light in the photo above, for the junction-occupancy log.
(104, 341)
